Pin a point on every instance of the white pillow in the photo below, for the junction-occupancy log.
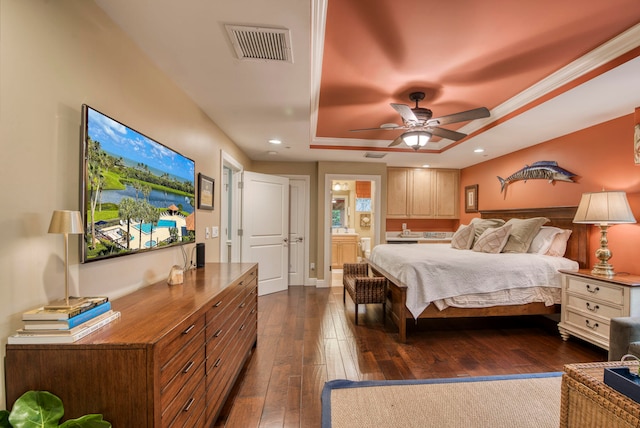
(559, 245)
(543, 239)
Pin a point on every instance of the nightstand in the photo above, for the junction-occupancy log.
(590, 301)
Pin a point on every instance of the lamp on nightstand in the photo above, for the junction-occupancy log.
(66, 222)
(604, 209)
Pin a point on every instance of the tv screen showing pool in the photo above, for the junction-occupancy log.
(138, 194)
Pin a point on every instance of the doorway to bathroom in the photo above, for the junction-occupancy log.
(353, 206)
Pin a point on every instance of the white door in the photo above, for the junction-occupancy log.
(265, 229)
(297, 228)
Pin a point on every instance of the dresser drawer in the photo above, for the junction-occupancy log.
(179, 371)
(596, 290)
(186, 402)
(221, 303)
(589, 307)
(591, 325)
(178, 338)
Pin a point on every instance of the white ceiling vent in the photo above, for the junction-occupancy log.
(261, 43)
(374, 155)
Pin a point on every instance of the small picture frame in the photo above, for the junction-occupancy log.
(636, 144)
(205, 192)
(471, 199)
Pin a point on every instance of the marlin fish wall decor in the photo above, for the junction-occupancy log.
(541, 170)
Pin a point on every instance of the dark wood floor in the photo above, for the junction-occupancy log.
(306, 337)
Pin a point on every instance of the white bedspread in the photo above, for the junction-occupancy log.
(435, 272)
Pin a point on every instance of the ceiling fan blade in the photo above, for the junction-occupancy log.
(463, 116)
(385, 127)
(396, 141)
(447, 133)
(405, 112)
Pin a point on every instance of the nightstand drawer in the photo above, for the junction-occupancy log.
(589, 307)
(591, 325)
(600, 291)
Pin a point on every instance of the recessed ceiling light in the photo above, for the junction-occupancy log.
(271, 152)
(478, 150)
(274, 141)
(426, 165)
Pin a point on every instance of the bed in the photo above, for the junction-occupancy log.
(407, 266)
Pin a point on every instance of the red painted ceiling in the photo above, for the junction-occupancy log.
(463, 54)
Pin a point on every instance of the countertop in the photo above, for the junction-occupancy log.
(424, 237)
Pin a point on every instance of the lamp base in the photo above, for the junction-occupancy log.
(603, 269)
(74, 302)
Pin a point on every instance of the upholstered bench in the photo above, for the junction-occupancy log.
(362, 288)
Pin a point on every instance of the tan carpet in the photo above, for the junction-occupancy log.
(521, 402)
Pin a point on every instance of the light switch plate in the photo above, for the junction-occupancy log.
(214, 231)
(206, 233)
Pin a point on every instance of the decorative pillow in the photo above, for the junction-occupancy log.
(463, 238)
(493, 239)
(559, 245)
(543, 239)
(523, 231)
(482, 224)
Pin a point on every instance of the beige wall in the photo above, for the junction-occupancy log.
(55, 56)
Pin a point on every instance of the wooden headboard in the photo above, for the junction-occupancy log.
(562, 217)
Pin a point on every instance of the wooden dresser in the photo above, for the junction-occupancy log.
(170, 360)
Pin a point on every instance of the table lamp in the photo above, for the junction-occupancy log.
(604, 209)
(66, 222)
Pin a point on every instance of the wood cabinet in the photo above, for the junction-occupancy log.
(344, 249)
(423, 193)
(589, 302)
(170, 360)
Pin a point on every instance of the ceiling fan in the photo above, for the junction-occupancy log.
(421, 126)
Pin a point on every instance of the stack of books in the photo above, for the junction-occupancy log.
(64, 325)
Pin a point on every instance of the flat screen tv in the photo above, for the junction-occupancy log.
(138, 195)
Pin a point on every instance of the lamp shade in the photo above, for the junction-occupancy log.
(416, 139)
(65, 221)
(604, 208)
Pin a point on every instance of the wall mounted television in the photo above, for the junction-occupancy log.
(137, 195)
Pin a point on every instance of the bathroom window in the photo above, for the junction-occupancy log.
(338, 213)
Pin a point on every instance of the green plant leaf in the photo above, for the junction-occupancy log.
(87, 421)
(36, 409)
(4, 419)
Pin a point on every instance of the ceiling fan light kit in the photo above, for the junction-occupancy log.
(416, 139)
(420, 126)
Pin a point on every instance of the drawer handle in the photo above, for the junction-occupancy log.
(218, 333)
(594, 290)
(241, 327)
(189, 404)
(187, 331)
(241, 282)
(591, 326)
(187, 367)
(242, 305)
(217, 304)
(592, 308)
(217, 363)
(253, 311)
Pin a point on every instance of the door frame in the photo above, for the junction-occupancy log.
(231, 213)
(307, 210)
(377, 203)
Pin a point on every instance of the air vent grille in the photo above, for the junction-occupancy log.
(374, 155)
(261, 43)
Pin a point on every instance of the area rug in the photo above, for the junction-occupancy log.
(531, 400)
